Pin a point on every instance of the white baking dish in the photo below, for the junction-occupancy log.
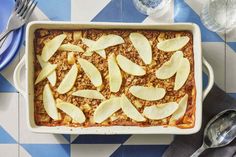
(27, 60)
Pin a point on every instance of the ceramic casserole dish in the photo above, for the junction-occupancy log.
(28, 93)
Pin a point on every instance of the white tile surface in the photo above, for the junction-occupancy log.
(9, 113)
(38, 15)
(85, 11)
(214, 52)
(93, 150)
(9, 150)
(149, 140)
(230, 70)
(23, 152)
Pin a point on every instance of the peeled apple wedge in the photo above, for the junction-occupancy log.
(147, 93)
(129, 109)
(86, 93)
(51, 47)
(142, 45)
(71, 58)
(161, 111)
(102, 53)
(45, 72)
(173, 44)
(91, 71)
(49, 103)
(68, 81)
(169, 68)
(179, 113)
(72, 110)
(106, 109)
(52, 78)
(77, 35)
(87, 53)
(115, 77)
(106, 41)
(182, 74)
(70, 47)
(90, 43)
(130, 67)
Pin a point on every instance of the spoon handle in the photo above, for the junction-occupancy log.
(199, 151)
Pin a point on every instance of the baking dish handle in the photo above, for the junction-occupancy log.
(17, 74)
(210, 78)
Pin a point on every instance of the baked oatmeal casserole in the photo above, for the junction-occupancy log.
(65, 59)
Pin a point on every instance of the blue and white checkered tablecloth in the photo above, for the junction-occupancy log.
(17, 141)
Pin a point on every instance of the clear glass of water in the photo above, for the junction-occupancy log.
(151, 7)
(219, 15)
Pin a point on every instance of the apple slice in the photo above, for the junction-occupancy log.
(52, 78)
(115, 77)
(130, 67)
(169, 68)
(88, 53)
(86, 93)
(161, 111)
(77, 35)
(147, 93)
(173, 44)
(51, 47)
(106, 109)
(179, 113)
(182, 74)
(50, 104)
(91, 71)
(72, 110)
(106, 41)
(70, 47)
(45, 72)
(68, 81)
(71, 58)
(129, 109)
(142, 45)
(90, 43)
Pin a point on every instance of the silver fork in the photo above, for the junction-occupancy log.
(17, 3)
(21, 14)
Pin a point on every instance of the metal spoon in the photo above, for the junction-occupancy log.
(219, 132)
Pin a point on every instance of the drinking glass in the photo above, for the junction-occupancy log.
(151, 7)
(219, 15)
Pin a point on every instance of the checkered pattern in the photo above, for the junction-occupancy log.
(17, 141)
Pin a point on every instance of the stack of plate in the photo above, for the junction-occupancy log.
(13, 42)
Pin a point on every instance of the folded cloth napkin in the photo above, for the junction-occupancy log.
(184, 145)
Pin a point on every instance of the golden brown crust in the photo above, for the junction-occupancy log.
(82, 82)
